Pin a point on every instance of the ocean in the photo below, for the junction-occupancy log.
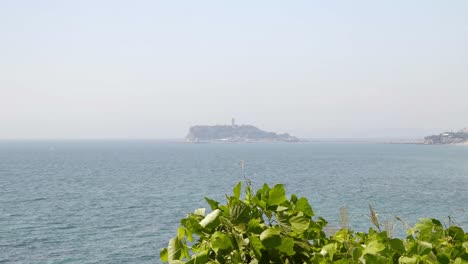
(97, 201)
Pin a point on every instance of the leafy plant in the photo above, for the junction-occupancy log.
(269, 227)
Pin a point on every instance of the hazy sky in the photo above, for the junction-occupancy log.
(151, 69)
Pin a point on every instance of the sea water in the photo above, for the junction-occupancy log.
(121, 201)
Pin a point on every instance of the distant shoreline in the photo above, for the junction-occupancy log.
(183, 141)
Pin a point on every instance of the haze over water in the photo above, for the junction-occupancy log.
(151, 69)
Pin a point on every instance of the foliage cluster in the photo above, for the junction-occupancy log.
(267, 227)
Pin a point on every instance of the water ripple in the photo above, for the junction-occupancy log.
(119, 202)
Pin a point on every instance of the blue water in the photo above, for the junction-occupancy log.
(120, 201)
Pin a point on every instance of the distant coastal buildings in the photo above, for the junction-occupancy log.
(234, 133)
(460, 137)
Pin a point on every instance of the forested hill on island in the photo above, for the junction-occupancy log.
(460, 137)
(235, 133)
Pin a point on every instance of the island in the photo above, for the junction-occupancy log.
(459, 138)
(234, 133)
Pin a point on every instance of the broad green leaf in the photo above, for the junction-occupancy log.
(239, 213)
(211, 219)
(407, 260)
(213, 204)
(281, 208)
(342, 261)
(374, 247)
(456, 233)
(258, 202)
(420, 248)
(443, 259)
(254, 226)
(329, 250)
(199, 258)
(432, 259)
(163, 255)
(293, 198)
(220, 241)
(356, 253)
(262, 194)
(257, 246)
(436, 222)
(398, 246)
(377, 259)
(189, 235)
(174, 249)
(237, 190)
(180, 233)
(191, 224)
(341, 235)
(265, 189)
(185, 250)
(460, 261)
(176, 262)
(299, 223)
(303, 205)
(465, 245)
(277, 195)
(428, 229)
(287, 246)
(270, 238)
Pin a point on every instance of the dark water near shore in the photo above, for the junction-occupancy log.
(120, 201)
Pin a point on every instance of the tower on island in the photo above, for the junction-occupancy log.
(233, 122)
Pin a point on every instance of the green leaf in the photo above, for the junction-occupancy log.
(213, 204)
(239, 213)
(407, 260)
(176, 262)
(287, 246)
(254, 226)
(356, 253)
(329, 250)
(199, 258)
(428, 229)
(237, 190)
(220, 241)
(299, 223)
(257, 246)
(432, 259)
(443, 259)
(174, 249)
(180, 233)
(259, 203)
(270, 238)
(189, 235)
(377, 259)
(277, 195)
(421, 248)
(456, 233)
(163, 255)
(303, 205)
(374, 247)
(293, 198)
(281, 208)
(191, 224)
(211, 220)
(465, 245)
(397, 245)
(236, 232)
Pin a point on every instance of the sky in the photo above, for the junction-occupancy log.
(151, 69)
